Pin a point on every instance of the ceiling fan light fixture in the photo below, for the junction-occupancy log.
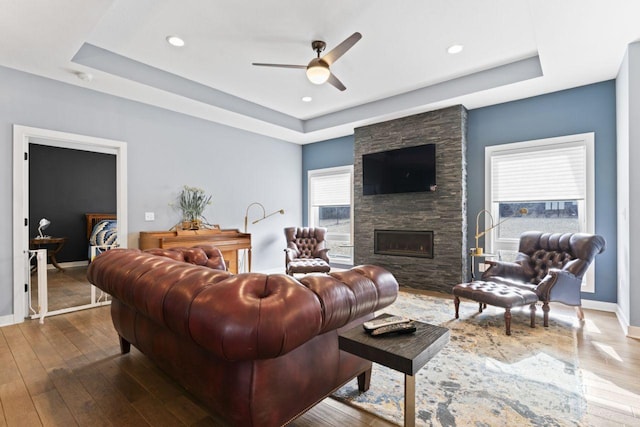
(318, 71)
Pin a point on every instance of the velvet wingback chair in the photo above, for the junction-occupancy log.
(306, 250)
(550, 264)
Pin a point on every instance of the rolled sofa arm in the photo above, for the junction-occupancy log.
(243, 317)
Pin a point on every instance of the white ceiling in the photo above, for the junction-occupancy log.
(513, 49)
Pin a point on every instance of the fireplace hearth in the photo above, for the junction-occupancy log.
(403, 243)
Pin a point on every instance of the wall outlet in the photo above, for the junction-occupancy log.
(149, 216)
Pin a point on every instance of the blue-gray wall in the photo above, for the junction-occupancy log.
(326, 154)
(584, 109)
(166, 150)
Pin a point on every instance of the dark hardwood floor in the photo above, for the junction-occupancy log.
(69, 371)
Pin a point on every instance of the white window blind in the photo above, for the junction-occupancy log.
(545, 174)
(331, 190)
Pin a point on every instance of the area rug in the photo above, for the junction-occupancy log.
(483, 377)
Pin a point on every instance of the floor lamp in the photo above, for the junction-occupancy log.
(246, 222)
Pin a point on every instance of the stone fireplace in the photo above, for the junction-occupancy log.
(442, 213)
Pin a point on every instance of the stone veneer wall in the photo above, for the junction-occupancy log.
(443, 211)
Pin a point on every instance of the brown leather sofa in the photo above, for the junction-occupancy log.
(258, 349)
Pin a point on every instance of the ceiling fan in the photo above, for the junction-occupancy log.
(318, 70)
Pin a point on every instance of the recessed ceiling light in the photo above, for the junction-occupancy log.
(175, 41)
(455, 48)
(307, 99)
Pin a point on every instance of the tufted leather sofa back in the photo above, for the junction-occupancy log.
(243, 317)
(539, 252)
(205, 255)
(307, 241)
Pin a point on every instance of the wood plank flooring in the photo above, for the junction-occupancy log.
(68, 288)
(69, 371)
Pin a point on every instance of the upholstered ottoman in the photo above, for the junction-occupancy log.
(499, 295)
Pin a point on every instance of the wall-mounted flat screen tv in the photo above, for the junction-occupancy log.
(404, 170)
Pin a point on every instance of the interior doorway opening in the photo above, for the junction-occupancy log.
(23, 138)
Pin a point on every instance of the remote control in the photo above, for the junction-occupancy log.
(378, 323)
(397, 328)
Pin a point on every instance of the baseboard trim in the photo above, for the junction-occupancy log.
(6, 320)
(600, 305)
(69, 264)
(633, 332)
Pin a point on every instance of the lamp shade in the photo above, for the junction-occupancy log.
(43, 224)
(318, 71)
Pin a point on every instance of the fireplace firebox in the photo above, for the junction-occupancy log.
(403, 243)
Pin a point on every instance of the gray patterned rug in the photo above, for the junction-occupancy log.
(483, 377)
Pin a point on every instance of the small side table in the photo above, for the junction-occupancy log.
(473, 256)
(53, 245)
(405, 353)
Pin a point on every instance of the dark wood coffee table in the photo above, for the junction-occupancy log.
(404, 353)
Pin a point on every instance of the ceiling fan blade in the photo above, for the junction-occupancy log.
(333, 81)
(340, 50)
(279, 65)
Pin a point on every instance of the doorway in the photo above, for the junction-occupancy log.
(23, 137)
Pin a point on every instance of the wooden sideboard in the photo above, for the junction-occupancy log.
(228, 241)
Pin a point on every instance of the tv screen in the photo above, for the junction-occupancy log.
(405, 170)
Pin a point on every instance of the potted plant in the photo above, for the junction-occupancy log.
(192, 201)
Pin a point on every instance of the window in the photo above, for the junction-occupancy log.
(545, 185)
(330, 206)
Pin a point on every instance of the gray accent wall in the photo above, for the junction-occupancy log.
(166, 150)
(590, 108)
(85, 181)
(442, 211)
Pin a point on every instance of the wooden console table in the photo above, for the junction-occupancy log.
(228, 241)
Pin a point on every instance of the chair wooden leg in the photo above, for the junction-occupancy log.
(533, 315)
(545, 310)
(480, 308)
(580, 313)
(456, 303)
(507, 320)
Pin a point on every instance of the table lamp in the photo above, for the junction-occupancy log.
(43, 224)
